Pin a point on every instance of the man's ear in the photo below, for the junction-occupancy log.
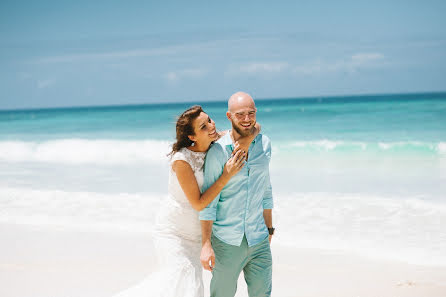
(228, 115)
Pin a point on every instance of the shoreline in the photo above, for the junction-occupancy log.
(43, 262)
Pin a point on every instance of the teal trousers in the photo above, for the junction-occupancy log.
(255, 261)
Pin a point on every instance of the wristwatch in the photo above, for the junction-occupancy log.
(271, 230)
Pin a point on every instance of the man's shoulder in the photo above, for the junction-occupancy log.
(265, 143)
(264, 140)
(216, 147)
(215, 151)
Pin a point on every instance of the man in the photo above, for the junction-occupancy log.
(237, 226)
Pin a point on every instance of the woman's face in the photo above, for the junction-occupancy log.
(204, 128)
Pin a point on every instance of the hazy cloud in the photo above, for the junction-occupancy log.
(258, 68)
(132, 53)
(107, 55)
(174, 76)
(350, 65)
(42, 84)
(365, 59)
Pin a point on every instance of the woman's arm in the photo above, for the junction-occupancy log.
(189, 185)
(244, 142)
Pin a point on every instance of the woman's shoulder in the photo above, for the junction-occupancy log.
(193, 158)
(181, 154)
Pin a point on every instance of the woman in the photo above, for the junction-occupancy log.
(178, 240)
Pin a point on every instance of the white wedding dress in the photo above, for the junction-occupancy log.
(177, 241)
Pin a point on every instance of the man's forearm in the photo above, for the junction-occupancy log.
(206, 231)
(207, 256)
(268, 217)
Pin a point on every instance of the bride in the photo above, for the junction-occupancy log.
(178, 233)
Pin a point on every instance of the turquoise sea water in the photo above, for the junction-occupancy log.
(394, 118)
(365, 173)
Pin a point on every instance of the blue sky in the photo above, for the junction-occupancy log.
(77, 53)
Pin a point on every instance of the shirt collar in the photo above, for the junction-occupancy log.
(226, 140)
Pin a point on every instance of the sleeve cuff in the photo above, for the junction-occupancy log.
(208, 215)
(268, 203)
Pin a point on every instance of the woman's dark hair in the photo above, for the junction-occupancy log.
(185, 128)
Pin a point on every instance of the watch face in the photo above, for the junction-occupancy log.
(271, 231)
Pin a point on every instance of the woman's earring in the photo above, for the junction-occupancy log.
(193, 143)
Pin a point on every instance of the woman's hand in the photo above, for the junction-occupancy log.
(235, 162)
(244, 142)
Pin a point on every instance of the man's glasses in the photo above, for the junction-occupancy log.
(242, 115)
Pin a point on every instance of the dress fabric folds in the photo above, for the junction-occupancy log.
(177, 241)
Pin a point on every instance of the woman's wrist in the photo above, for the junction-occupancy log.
(225, 176)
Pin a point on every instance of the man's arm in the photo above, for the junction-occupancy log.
(268, 203)
(268, 217)
(207, 253)
(213, 168)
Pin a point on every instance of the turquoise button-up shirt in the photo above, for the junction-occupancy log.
(238, 209)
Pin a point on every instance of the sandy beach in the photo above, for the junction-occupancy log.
(44, 262)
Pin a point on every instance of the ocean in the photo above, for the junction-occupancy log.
(363, 174)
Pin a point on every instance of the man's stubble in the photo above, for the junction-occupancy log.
(241, 132)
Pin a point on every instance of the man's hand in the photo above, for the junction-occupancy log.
(207, 255)
(269, 238)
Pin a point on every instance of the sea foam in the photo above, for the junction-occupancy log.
(105, 151)
(84, 151)
(407, 229)
(95, 211)
(326, 145)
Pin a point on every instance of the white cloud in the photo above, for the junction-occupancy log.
(130, 53)
(42, 84)
(174, 76)
(349, 65)
(107, 55)
(258, 68)
(24, 75)
(312, 68)
(365, 58)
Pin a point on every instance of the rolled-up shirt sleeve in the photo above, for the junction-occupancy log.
(213, 168)
(268, 196)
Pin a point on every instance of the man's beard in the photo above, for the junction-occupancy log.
(243, 132)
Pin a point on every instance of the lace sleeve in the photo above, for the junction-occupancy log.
(194, 159)
(180, 155)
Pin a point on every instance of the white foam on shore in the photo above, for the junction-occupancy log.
(442, 148)
(410, 230)
(84, 151)
(326, 145)
(113, 152)
(407, 229)
(79, 210)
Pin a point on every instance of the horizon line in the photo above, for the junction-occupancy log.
(199, 102)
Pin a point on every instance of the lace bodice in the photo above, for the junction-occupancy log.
(195, 159)
(176, 215)
(196, 162)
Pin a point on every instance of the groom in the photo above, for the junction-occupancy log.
(237, 225)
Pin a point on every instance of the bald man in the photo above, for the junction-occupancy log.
(237, 225)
